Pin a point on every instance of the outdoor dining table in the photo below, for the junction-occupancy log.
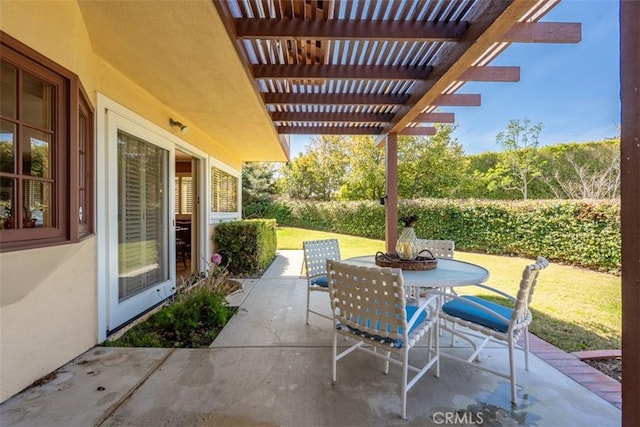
(447, 274)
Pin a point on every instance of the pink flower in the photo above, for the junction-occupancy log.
(216, 258)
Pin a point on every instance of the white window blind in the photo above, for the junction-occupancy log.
(142, 211)
(184, 195)
(224, 191)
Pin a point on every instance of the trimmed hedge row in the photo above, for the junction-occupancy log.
(246, 246)
(580, 233)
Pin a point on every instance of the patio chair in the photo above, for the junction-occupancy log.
(369, 307)
(493, 322)
(439, 248)
(316, 253)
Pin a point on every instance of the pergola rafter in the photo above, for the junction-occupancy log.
(314, 62)
(295, 29)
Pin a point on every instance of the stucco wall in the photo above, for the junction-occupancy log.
(48, 312)
(48, 298)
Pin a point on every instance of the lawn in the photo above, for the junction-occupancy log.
(574, 309)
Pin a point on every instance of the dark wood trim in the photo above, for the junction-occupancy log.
(435, 118)
(458, 100)
(329, 130)
(491, 74)
(334, 98)
(64, 151)
(544, 32)
(333, 29)
(294, 116)
(419, 131)
(491, 19)
(391, 198)
(85, 107)
(630, 208)
(340, 72)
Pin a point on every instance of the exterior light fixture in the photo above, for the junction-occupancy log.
(183, 128)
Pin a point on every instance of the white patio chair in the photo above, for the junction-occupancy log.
(494, 322)
(369, 308)
(439, 248)
(316, 253)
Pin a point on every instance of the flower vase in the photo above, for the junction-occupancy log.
(407, 246)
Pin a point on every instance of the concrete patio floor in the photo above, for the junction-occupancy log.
(268, 368)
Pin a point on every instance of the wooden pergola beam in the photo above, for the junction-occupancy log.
(435, 118)
(491, 24)
(491, 74)
(340, 72)
(458, 100)
(329, 130)
(334, 98)
(419, 131)
(294, 116)
(544, 32)
(334, 29)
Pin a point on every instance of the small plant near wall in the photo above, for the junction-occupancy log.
(192, 318)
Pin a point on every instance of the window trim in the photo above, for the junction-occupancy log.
(68, 98)
(219, 216)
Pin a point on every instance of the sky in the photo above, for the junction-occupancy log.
(572, 89)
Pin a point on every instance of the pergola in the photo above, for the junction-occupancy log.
(379, 67)
(391, 67)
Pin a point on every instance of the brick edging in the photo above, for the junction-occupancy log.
(571, 366)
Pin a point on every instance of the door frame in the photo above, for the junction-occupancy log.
(103, 157)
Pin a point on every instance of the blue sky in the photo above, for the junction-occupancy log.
(573, 89)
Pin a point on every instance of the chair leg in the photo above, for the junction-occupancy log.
(334, 356)
(437, 348)
(526, 348)
(403, 389)
(308, 297)
(386, 364)
(512, 372)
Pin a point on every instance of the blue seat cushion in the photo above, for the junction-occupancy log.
(397, 343)
(320, 281)
(462, 309)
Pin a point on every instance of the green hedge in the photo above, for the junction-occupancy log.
(580, 233)
(246, 246)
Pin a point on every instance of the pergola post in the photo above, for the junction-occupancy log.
(391, 182)
(630, 208)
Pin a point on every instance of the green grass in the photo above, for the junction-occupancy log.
(574, 309)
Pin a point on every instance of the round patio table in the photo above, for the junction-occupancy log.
(447, 274)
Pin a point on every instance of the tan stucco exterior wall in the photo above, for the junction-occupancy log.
(54, 319)
(48, 298)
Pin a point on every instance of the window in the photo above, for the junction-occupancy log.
(184, 195)
(46, 131)
(224, 191)
(85, 166)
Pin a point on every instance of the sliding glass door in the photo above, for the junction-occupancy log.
(143, 211)
(141, 248)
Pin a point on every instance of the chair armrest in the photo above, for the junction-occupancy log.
(429, 306)
(478, 306)
(497, 291)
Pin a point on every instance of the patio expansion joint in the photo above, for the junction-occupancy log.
(133, 389)
(573, 367)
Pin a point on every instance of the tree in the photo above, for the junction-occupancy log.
(318, 173)
(520, 163)
(258, 186)
(430, 167)
(584, 171)
(364, 177)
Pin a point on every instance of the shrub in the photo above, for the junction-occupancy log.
(192, 320)
(580, 233)
(246, 246)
